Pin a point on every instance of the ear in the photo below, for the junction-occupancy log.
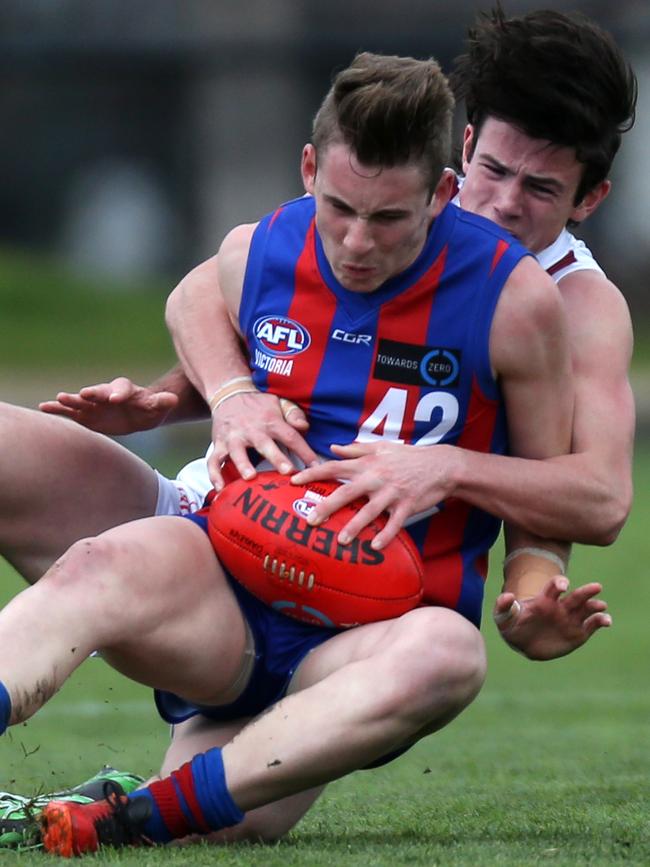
(591, 201)
(468, 146)
(308, 168)
(443, 192)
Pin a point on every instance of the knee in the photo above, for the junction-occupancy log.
(439, 665)
(89, 566)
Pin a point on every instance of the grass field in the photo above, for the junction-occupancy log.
(551, 765)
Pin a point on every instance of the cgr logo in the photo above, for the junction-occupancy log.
(347, 337)
(280, 336)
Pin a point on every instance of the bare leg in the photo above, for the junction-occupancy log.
(265, 824)
(149, 594)
(361, 695)
(357, 697)
(60, 482)
(152, 596)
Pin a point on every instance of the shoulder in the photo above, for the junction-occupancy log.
(238, 240)
(529, 320)
(231, 262)
(530, 296)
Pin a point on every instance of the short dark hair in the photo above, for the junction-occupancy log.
(390, 111)
(557, 77)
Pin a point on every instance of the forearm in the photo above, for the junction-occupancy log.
(191, 405)
(571, 497)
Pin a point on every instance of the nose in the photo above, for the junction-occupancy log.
(508, 201)
(358, 237)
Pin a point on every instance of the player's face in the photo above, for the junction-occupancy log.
(525, 185)
(372, 222)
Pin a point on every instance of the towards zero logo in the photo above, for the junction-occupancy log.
(280, 336)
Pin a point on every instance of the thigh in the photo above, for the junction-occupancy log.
(165, 614)
(60, 482)
(404, 643)
(268, 823)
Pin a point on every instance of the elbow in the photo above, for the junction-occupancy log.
(611, 519)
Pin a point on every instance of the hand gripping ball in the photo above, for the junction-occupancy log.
(259, 531)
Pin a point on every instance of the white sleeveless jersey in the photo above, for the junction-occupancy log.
(565, 255)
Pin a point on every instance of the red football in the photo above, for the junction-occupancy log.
(260, 534)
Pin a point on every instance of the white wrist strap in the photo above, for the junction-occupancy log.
(537, 552)
(236, 385)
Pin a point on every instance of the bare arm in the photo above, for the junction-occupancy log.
(202, 316)
(535, 613)
(584, 496)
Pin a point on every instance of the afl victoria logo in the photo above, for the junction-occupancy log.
(280, 336)
(303, 507)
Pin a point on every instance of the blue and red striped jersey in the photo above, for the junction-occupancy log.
(408, 362)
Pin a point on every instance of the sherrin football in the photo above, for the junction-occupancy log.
(259, 531)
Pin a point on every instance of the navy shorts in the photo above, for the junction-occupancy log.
(281, 643)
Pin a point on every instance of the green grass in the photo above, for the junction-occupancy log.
(51, 314)
(551, 764)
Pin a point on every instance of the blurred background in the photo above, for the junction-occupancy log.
(135, 134)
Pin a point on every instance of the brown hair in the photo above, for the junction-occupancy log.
(389, 111)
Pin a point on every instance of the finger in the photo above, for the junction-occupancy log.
(580, 595)
(595, 622)
(366, 514)
(354, 450)
(214, 470)
(237, 451)
(55, 408)
(293, 414)
(295, 443)
(507, 610)
(591, 606)
(73, 401)
(97, 393)
(119, 389)
(554, 588)
(320, 472)
(340, 497)
(394, 524)
(164, 400)
(268, 449)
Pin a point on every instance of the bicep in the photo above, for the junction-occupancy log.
(604, 419)
(530, 351)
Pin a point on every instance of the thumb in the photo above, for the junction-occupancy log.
(293, 414)
(164, 400)
(121, 389)
(214, 471)
(506, 610)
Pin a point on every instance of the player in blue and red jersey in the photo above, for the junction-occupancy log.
(453, 332)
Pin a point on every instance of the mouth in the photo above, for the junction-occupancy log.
(357, 270)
